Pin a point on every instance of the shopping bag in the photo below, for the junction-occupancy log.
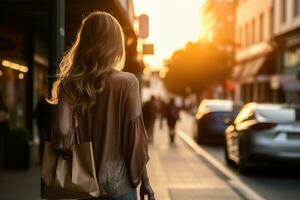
(72, 178)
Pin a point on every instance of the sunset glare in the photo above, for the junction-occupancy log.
(172, 23)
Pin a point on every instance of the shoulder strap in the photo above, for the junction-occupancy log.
(87, 136)
(76, 127)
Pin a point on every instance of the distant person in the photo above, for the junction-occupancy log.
(161, 109)
(106, 103)
(43, 115)
(4, 125)
(172, 115)
(149, 115)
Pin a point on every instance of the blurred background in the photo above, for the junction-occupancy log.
(220, 86)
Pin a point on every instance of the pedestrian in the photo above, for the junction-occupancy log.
(149, 116)
(161, 104)
(43, 115)
(107, 106)
(172, 115)
(4, 125)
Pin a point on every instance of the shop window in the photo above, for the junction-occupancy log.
(283, 11)
(261, 27)
(253, 31)
(292, 57)
(247, 35)
(271, 22)
(241, 37)
(296, 8)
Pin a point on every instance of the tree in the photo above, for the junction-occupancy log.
(196, 66)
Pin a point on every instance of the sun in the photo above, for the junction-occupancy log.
(172, 23)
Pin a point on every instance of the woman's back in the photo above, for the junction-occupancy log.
(107, 124)
(115, 127)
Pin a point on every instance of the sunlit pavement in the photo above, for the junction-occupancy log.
(177, 173)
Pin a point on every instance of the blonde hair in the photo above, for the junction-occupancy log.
(96, 52)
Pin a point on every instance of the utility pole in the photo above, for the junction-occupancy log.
(57, 37)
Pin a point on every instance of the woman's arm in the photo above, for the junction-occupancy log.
(145, 178)
(63, 127)
(135, 140)
(146, 188)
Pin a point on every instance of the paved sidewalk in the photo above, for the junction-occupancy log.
(19, 184)
(177, 173)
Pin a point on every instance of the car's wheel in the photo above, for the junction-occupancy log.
(226, 156)
(242, 165)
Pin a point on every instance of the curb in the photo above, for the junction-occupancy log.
(233, 180)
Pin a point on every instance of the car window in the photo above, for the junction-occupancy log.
(206, 107)
(278, 114)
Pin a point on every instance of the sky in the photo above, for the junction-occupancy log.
(172, 23)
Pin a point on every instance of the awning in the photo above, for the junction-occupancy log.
(251, 69)
(290, 82)
(237, 71)
(245, 73)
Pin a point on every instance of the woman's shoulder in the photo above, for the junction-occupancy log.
(124, 78)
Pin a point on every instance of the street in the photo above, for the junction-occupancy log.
(276, 183)
(181, 171)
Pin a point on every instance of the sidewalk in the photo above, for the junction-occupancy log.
(177, 173)
(18, 184)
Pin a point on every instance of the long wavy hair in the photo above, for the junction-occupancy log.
(96, 52)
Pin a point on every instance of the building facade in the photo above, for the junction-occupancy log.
(287, 37)
(254, 51)
(128, 7)
(218, 21)
(34, 38)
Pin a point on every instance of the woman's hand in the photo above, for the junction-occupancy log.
(146, 189)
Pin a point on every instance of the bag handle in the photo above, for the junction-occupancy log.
(76, 128)
(88, 137)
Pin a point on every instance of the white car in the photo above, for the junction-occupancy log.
(263, 133)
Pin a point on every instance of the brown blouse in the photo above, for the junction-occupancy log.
(115, 127)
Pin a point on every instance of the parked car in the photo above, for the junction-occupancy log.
(211, 119)
(263, 133)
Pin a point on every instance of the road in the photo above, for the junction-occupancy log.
(275, 183)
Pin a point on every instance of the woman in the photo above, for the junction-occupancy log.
(107, 104)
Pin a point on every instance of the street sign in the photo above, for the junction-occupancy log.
(143, 26)
(148, 49)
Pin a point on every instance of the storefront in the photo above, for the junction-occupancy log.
(28, 39)
(289, 66)
(33, 38)
(24, 43)
(252, 79)
(291, 87)
(13, 75)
